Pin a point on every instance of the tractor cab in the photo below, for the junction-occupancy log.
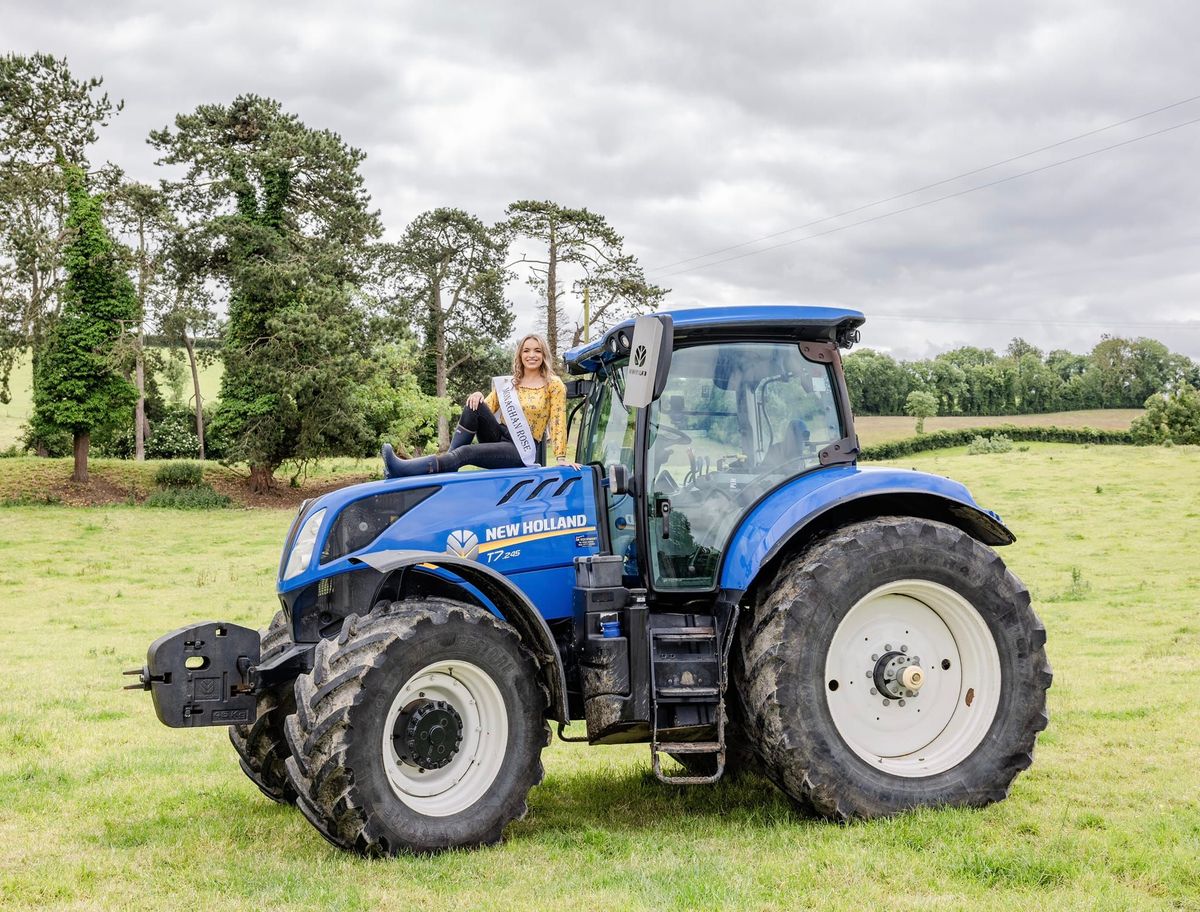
(719, 408)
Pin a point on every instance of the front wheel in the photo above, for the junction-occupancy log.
(262, 746)
(895, 664)
(419, 729)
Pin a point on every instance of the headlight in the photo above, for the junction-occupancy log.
(302, 550)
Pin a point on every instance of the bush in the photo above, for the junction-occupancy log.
(997, 443)
(201, 498)
(1170, 418)
(942, 440)
(180, 475)
(56, 442)
(173, 436)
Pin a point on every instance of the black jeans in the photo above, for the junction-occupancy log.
(495, 449)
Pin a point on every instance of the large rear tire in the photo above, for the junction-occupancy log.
(262, 746)
(894, 664)
(419, 729)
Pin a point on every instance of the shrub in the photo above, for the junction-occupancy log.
(997, 443)
(942, 440)
(54, 441)
(1170, 418)
(179, 475)
(200, 498)
(173, 436)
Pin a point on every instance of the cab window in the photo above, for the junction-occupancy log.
(735, 420)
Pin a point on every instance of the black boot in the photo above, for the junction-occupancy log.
(461, 437)
(394, 467)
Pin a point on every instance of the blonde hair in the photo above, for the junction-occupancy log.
(519, 368)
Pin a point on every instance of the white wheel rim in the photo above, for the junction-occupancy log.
(950, 715)
(472, 770)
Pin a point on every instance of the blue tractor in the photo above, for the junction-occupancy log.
(721, 580)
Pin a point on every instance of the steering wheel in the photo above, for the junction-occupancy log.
(672, 436)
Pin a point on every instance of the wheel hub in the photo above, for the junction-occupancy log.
(428, 734)
(898, 675)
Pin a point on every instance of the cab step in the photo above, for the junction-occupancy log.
(687, 691)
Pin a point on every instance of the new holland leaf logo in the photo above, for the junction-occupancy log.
(639, 356)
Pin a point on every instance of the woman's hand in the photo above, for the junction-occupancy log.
(563, 464)
(474, 399)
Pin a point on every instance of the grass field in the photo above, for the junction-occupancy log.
(101, 807)
(16, 413)
(880, 429)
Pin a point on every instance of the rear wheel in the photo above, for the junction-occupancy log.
(262, 746)
(895, 664)
(419, 729)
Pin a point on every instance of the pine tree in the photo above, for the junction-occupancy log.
(277, 213)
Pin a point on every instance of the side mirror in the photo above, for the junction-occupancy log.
(618, 479)
(649, 360)
(579, 389)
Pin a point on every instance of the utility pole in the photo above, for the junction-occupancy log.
(587, 315)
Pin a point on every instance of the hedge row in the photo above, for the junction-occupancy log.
(941, 440)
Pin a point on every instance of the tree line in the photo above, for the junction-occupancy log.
(1116, 373)
(261, 236)
(331, 338)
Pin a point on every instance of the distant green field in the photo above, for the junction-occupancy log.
(103, 808)
(874, 429)
(14, 414)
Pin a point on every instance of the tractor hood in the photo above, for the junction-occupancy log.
(512, 520)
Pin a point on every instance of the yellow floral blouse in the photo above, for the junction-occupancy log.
(545, 407)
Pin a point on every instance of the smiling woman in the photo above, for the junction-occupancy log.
(505, 429)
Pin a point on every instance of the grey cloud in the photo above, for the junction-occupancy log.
(694, 126)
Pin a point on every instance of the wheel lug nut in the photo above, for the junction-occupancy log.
(874, 692)
(887, 647)
(875, 658)
(901, 702)
(904, 649)
(887, 702)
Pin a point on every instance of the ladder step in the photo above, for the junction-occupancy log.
(688, 747)
(683, 633)
(669, 693)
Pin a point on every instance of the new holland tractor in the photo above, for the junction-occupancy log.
(721, 580)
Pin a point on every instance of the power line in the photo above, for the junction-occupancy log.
(948, 180)
(939, 199)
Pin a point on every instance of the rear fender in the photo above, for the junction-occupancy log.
(800, 510)
(499, 596)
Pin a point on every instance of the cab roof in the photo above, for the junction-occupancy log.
(738, 321)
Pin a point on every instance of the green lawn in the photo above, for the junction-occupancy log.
(101, 807)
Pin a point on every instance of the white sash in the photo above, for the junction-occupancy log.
(514, 417)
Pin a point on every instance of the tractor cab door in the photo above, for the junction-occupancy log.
(735, 420)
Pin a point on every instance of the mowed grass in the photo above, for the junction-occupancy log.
(14, 414)
(874, 429)
(101, 807)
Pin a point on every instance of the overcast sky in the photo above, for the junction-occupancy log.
(699, 126)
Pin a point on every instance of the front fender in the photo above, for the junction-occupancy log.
(839, 494)
(509, 602)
